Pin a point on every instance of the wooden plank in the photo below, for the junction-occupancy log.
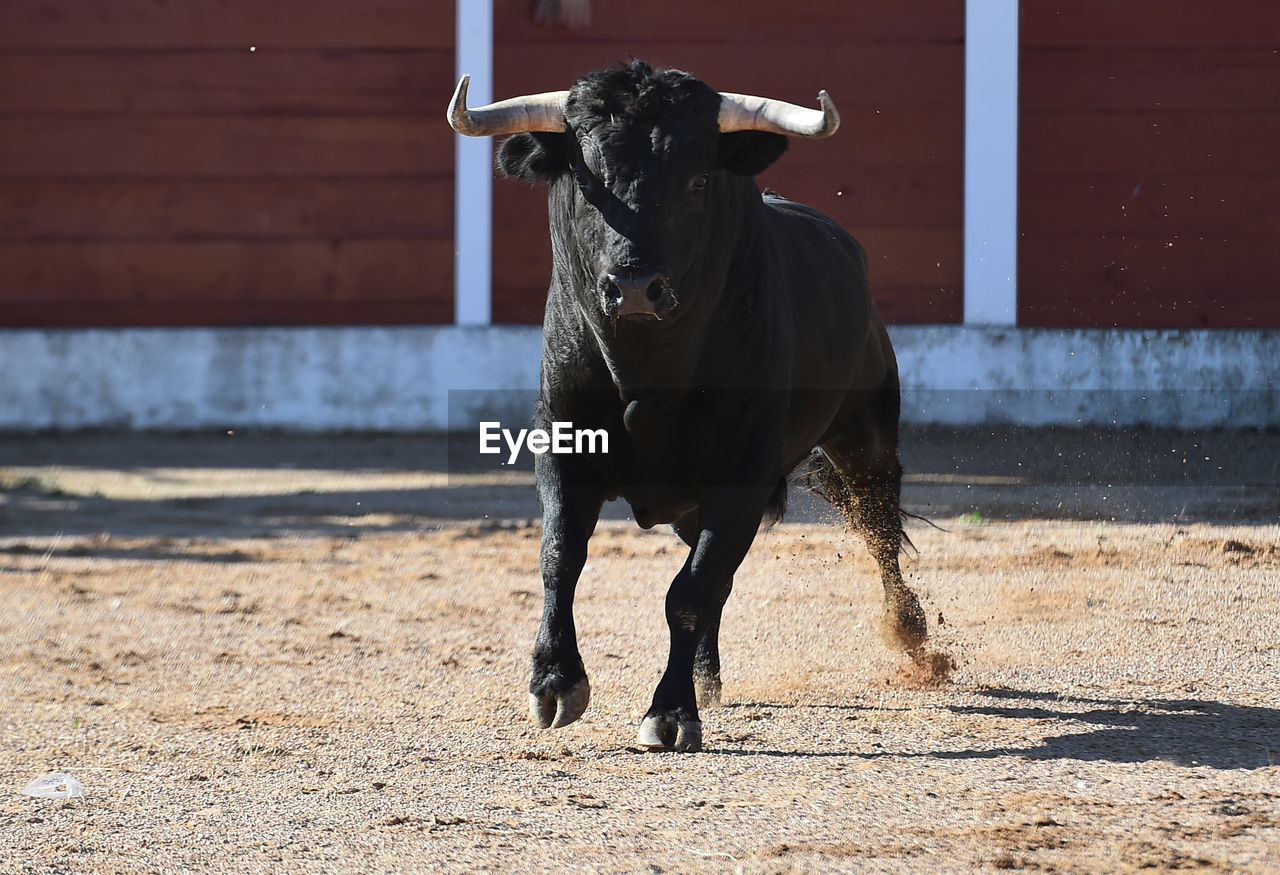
(890, 136)
(519, 304)
(895, 256)
(893, 175)
(907, 257)
(202, 148)
(52, 210)
(927, 260)
(1107, 280)
(1148, 179)
(1150, 204)
(876, 76)
(1149, 143)
(871, 139)
(93, 24)
(1176, 23)
(347, 83)
(909, 196)
(1110, 79)
(631, 23)
(919, 305)
(521, 253)
(928, 256)
(901, 304)
(437, 311)
(307, 275)
(1096, 308)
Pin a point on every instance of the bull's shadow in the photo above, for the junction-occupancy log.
(1200, 733)
(1187, 732)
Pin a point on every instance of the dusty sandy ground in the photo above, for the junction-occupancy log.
(311, 654)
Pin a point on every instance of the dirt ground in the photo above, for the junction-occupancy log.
(272, 653)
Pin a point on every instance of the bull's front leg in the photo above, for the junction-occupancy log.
(694, 601)
(558, 689)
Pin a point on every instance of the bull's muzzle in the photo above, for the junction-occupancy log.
(637, 294)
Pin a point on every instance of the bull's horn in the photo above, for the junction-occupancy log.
(533, 112)
(745, 112)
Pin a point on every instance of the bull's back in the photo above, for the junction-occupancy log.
(824, 284)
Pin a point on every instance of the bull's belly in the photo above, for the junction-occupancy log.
(659, 493)
(664, 460)
(651, 506)
(660, 481)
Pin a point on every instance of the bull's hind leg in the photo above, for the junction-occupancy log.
(706, 660)
(863, 479)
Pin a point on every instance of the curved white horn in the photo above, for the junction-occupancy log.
(533, 112)
(746, 112)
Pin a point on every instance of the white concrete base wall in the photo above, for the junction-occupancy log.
(1183, 379)
(313, 379)
(436, 377)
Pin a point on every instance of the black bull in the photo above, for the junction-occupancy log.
(717, 334)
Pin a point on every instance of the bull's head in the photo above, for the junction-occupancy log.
(642, 168)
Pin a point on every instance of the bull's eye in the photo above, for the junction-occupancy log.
(699, 182)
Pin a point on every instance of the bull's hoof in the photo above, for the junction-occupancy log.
(550, 710)
(667, 732)
(903, 623)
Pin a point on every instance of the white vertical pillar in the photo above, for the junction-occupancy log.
(473, 172)
(991, 162)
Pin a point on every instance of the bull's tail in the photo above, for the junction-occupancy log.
(908, 515)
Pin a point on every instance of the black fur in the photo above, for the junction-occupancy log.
(718, 336)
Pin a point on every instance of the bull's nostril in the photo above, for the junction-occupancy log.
(636, 293)
(655, 290)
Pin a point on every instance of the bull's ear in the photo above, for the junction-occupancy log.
(533, 157)
(750, 152)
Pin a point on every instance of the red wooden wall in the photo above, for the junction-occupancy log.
(1149, 174)
(893, 175)
(154, 170)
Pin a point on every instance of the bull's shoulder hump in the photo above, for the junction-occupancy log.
(797, 222)
(793, 214)
(784, 204)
